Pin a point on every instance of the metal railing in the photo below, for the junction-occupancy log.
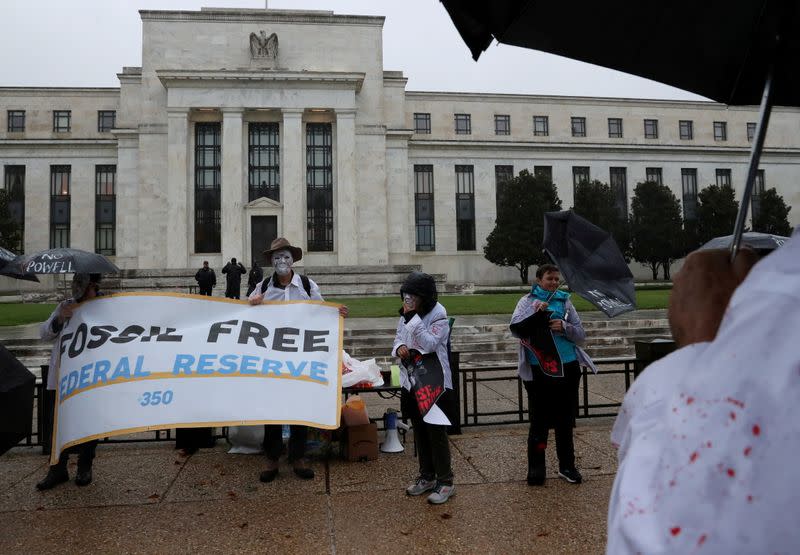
(471, 377)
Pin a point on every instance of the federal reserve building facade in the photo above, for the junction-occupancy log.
(244, 125)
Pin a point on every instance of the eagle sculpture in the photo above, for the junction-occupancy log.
(263, 46)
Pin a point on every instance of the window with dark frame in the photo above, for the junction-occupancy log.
(105, 202)
(578, 125)
(541, 126)
(580, 174)
(758, 189)
(619, 186)
(651, 129)
(465, 208)
(207, 188)
(686, 129)
(723, 177)
(720, 131)
(16, 121)
(463, 124)
(62, 121)
(14, 182)
(614, 128)
(60, 177)
(502, 174)
(423, 207)
(319, 187)
(502, 124)
(544, 172)
(654, 175)
(106, 120)
(751, 130)
(422, 123)
(689, 186)
(263, 161)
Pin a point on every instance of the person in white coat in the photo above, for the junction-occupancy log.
(84, 287)
(708, 435)
(424, 327)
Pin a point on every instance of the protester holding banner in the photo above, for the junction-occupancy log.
(84, 287)
(421, 344)
(286, 285)
(549, 328)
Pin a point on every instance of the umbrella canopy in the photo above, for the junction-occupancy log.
(717, 49)
(754, 240)
(6, 257)
(62, 261)
(590, 261)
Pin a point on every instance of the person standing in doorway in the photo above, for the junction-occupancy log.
(286, 285)
(206, 279)
(235, 271)
(255, 277)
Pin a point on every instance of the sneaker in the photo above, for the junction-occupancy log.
(536, 475)
(441, 493)
(571, 475)
(55, 476)
(420, 486)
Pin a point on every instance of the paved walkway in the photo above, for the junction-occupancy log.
(147, 498)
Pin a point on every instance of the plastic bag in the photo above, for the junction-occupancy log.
(246, 440)
(356, 373)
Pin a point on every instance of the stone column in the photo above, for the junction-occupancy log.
(178, 233)
(346, 211)
(293, 182)
(127, 197)
(232, 185)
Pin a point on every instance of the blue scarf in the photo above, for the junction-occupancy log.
(558, 306)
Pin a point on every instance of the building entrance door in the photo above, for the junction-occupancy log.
(264, 230)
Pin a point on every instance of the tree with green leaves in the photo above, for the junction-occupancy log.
(10, 233)
(596, 202)
(772, 216)
(716, 212)
(516, 239)
(656, 232)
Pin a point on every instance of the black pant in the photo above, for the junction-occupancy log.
(85, 452)
(205, 291)
(560, 404)
(273, 442)
(433, 446)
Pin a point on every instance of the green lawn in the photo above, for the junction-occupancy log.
(13, 314)
(367, 307)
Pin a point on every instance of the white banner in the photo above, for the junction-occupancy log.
(134, 362)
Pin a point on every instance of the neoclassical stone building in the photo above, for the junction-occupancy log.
(241, 125)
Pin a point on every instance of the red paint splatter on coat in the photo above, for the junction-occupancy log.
(675, 530)
(690, 400)
(731, 472)
(756, 430)
(693, 456)
(747, 451)
(733, 415)
(701, 540)
(749, 498)
(735, 402)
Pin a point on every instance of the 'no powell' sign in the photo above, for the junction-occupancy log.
(135, 362)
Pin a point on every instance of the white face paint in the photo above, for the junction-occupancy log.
(282, 262)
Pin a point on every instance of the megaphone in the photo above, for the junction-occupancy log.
(392, 440)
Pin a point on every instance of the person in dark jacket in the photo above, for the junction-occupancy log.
(254, 277)
(206, 279)
(235, 271)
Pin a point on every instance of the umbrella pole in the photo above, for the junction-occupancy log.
(755, 157)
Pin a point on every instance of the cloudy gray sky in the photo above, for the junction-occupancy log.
(86, 42)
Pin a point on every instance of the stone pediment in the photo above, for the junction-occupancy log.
(175, 78)
(262, 202)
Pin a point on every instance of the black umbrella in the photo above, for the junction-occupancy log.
(730, 52)
(590, 261)
(6, 257)
(62, 261)
(754, 240)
